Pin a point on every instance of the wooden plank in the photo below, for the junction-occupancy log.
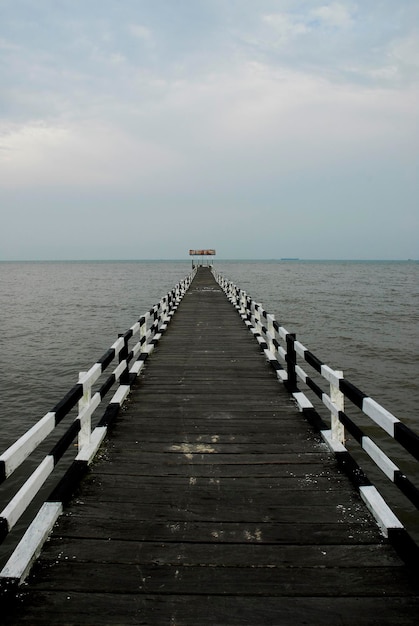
(179, 511)
(108, 609)
(228, 470)
(207, 510)
(129, 487)
(192, 457)
(243, 473)
(252, 552)
(85, 523)
(75, 576)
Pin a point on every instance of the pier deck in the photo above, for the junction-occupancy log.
(213, 502)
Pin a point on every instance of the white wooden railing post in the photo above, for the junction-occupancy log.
(242, 302)
(338, 399)
(271, 333)
(143, 331)
(257, 316)
(246, 308)
(86, 426)
(252, 312)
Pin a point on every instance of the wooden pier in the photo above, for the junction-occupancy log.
(214, 502)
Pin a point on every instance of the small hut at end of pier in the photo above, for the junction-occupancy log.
(209, 252)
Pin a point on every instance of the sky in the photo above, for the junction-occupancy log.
(138, 129)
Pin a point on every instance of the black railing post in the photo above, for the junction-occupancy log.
(291, 358)
(124, 378)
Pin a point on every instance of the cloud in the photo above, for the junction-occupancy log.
(286, 26)
(141, 32)
(39, 155)
(8, 46)
(405, 51)
(230, 130)
(290, 25)
(335, 14)
(397, 63)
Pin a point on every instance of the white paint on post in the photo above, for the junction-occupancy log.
(84, 415)
(25, 445)
(148, 349)
(379, 457)
(380, 415)
(300, 349)
(120, 369)
(85, 420)
(329, 405)
(380, 509)
(88, 452)
(301, 373)
(136, 350)
(118, 345)
(332, 376)
(87, 379)
(338, 399)
(302, 401)
(29, 547)
(270, 341)
(243, 302)
(334, 445)
(269, 355)
(282, 354)
(137, 367)
(143, 328)
(282, 375)
(135, 328)
(27, 492)
(120, 395)
(282, 332)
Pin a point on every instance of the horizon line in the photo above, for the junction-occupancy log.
(213, 259)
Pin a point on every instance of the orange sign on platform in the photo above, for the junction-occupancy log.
(202, 252)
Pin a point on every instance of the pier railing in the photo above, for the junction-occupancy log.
(286, 355)
(127, 355)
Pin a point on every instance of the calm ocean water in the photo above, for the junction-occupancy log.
(360, 317)
(59, 317)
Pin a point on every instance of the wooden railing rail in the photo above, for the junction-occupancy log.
(282, 350)
(147, 330)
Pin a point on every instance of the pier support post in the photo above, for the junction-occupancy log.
(270, 319)
(291, 359)
(242, 302)
(338, 399)
(124, 378)
(85, 426)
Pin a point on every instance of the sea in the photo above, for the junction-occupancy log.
(58, 318)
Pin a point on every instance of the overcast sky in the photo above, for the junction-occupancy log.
(135, 129)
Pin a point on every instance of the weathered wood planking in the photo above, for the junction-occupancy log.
(214, 503)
